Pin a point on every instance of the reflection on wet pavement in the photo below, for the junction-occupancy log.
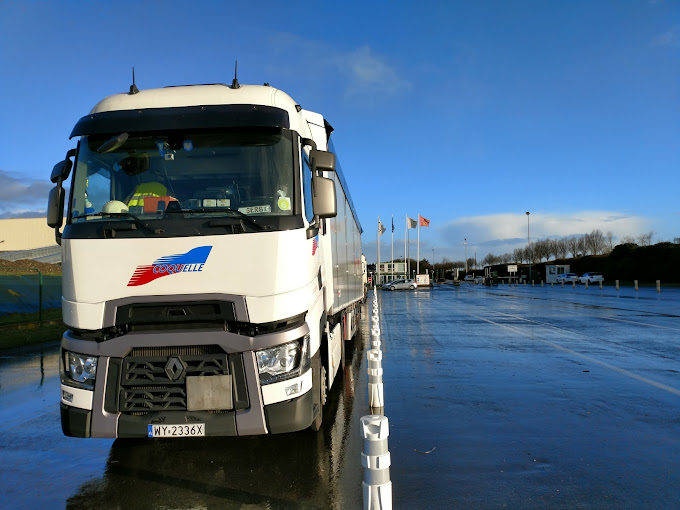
(496, 397)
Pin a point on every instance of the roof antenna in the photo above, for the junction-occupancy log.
(235, 84)
(133, 87)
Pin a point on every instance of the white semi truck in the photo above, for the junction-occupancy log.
(212, 264)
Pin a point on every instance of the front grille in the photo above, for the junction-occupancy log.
(154, 379)
(144, 400)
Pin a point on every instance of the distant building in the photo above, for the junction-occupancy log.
(28, 238)
(392, 271)
(553, 271)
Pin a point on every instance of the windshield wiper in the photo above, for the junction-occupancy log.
(218, 223)
(124, 226)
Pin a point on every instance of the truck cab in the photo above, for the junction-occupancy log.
(198, 255)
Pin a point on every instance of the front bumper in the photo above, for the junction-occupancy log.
(114, 409)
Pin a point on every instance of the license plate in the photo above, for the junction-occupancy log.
(189, 430)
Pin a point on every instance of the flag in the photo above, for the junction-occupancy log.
(423, 221)
(411, 222)
(381, 228)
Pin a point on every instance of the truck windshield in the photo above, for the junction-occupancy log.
(177, 177)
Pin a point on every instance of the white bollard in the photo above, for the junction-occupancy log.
(376, 397)
(586, 284)
(600, 285)
(635, 284)
(617, 285)
(658, 285)
(375, 459)
(375, 339)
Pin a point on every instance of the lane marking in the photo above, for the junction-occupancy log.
(604, 307)
(604, 364)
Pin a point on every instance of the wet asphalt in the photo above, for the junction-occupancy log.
(497, 397)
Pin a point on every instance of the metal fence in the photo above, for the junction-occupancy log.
(27, 295)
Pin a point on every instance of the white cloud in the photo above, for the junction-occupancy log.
(368, 73)
(21, 197)
(359, 73)
(669, 38)
(502, 233)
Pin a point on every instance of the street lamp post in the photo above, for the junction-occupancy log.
(529, 246)
(466, 256)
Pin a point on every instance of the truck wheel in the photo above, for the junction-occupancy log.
(321, 389)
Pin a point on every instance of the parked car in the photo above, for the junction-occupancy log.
(469, 278)
(479, 279)
(591, 277)
(567, 278)
(400, 285)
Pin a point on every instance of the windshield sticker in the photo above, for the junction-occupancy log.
(189, 262)
(257, 209)
(284, 203)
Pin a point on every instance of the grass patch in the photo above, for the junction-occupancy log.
(19, 319)
(15, 337)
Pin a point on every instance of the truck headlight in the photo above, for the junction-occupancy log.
(283, 361)
(80, 368)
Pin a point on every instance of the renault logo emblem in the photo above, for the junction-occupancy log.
(175, 368)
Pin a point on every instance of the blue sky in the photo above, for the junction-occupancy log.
(469, 113)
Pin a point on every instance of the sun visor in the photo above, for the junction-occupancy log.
(185, 117)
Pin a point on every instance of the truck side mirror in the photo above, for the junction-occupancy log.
(55, 207)
(63, 168)
(323, 197)
(322, 160)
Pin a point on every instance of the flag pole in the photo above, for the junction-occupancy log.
(393, 246)
(378, 239)
(405, 238)
(418, 259)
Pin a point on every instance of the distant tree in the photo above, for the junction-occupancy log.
(561, 248)
(610, 240)
(645, 239)
(572, 245)
(581, 246)
(541, 250)
(594, 243)
(518, 255)
(490, 260)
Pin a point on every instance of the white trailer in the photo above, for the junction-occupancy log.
(212, 264)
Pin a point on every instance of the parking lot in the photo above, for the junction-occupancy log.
(497, 397)
(534, 397)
